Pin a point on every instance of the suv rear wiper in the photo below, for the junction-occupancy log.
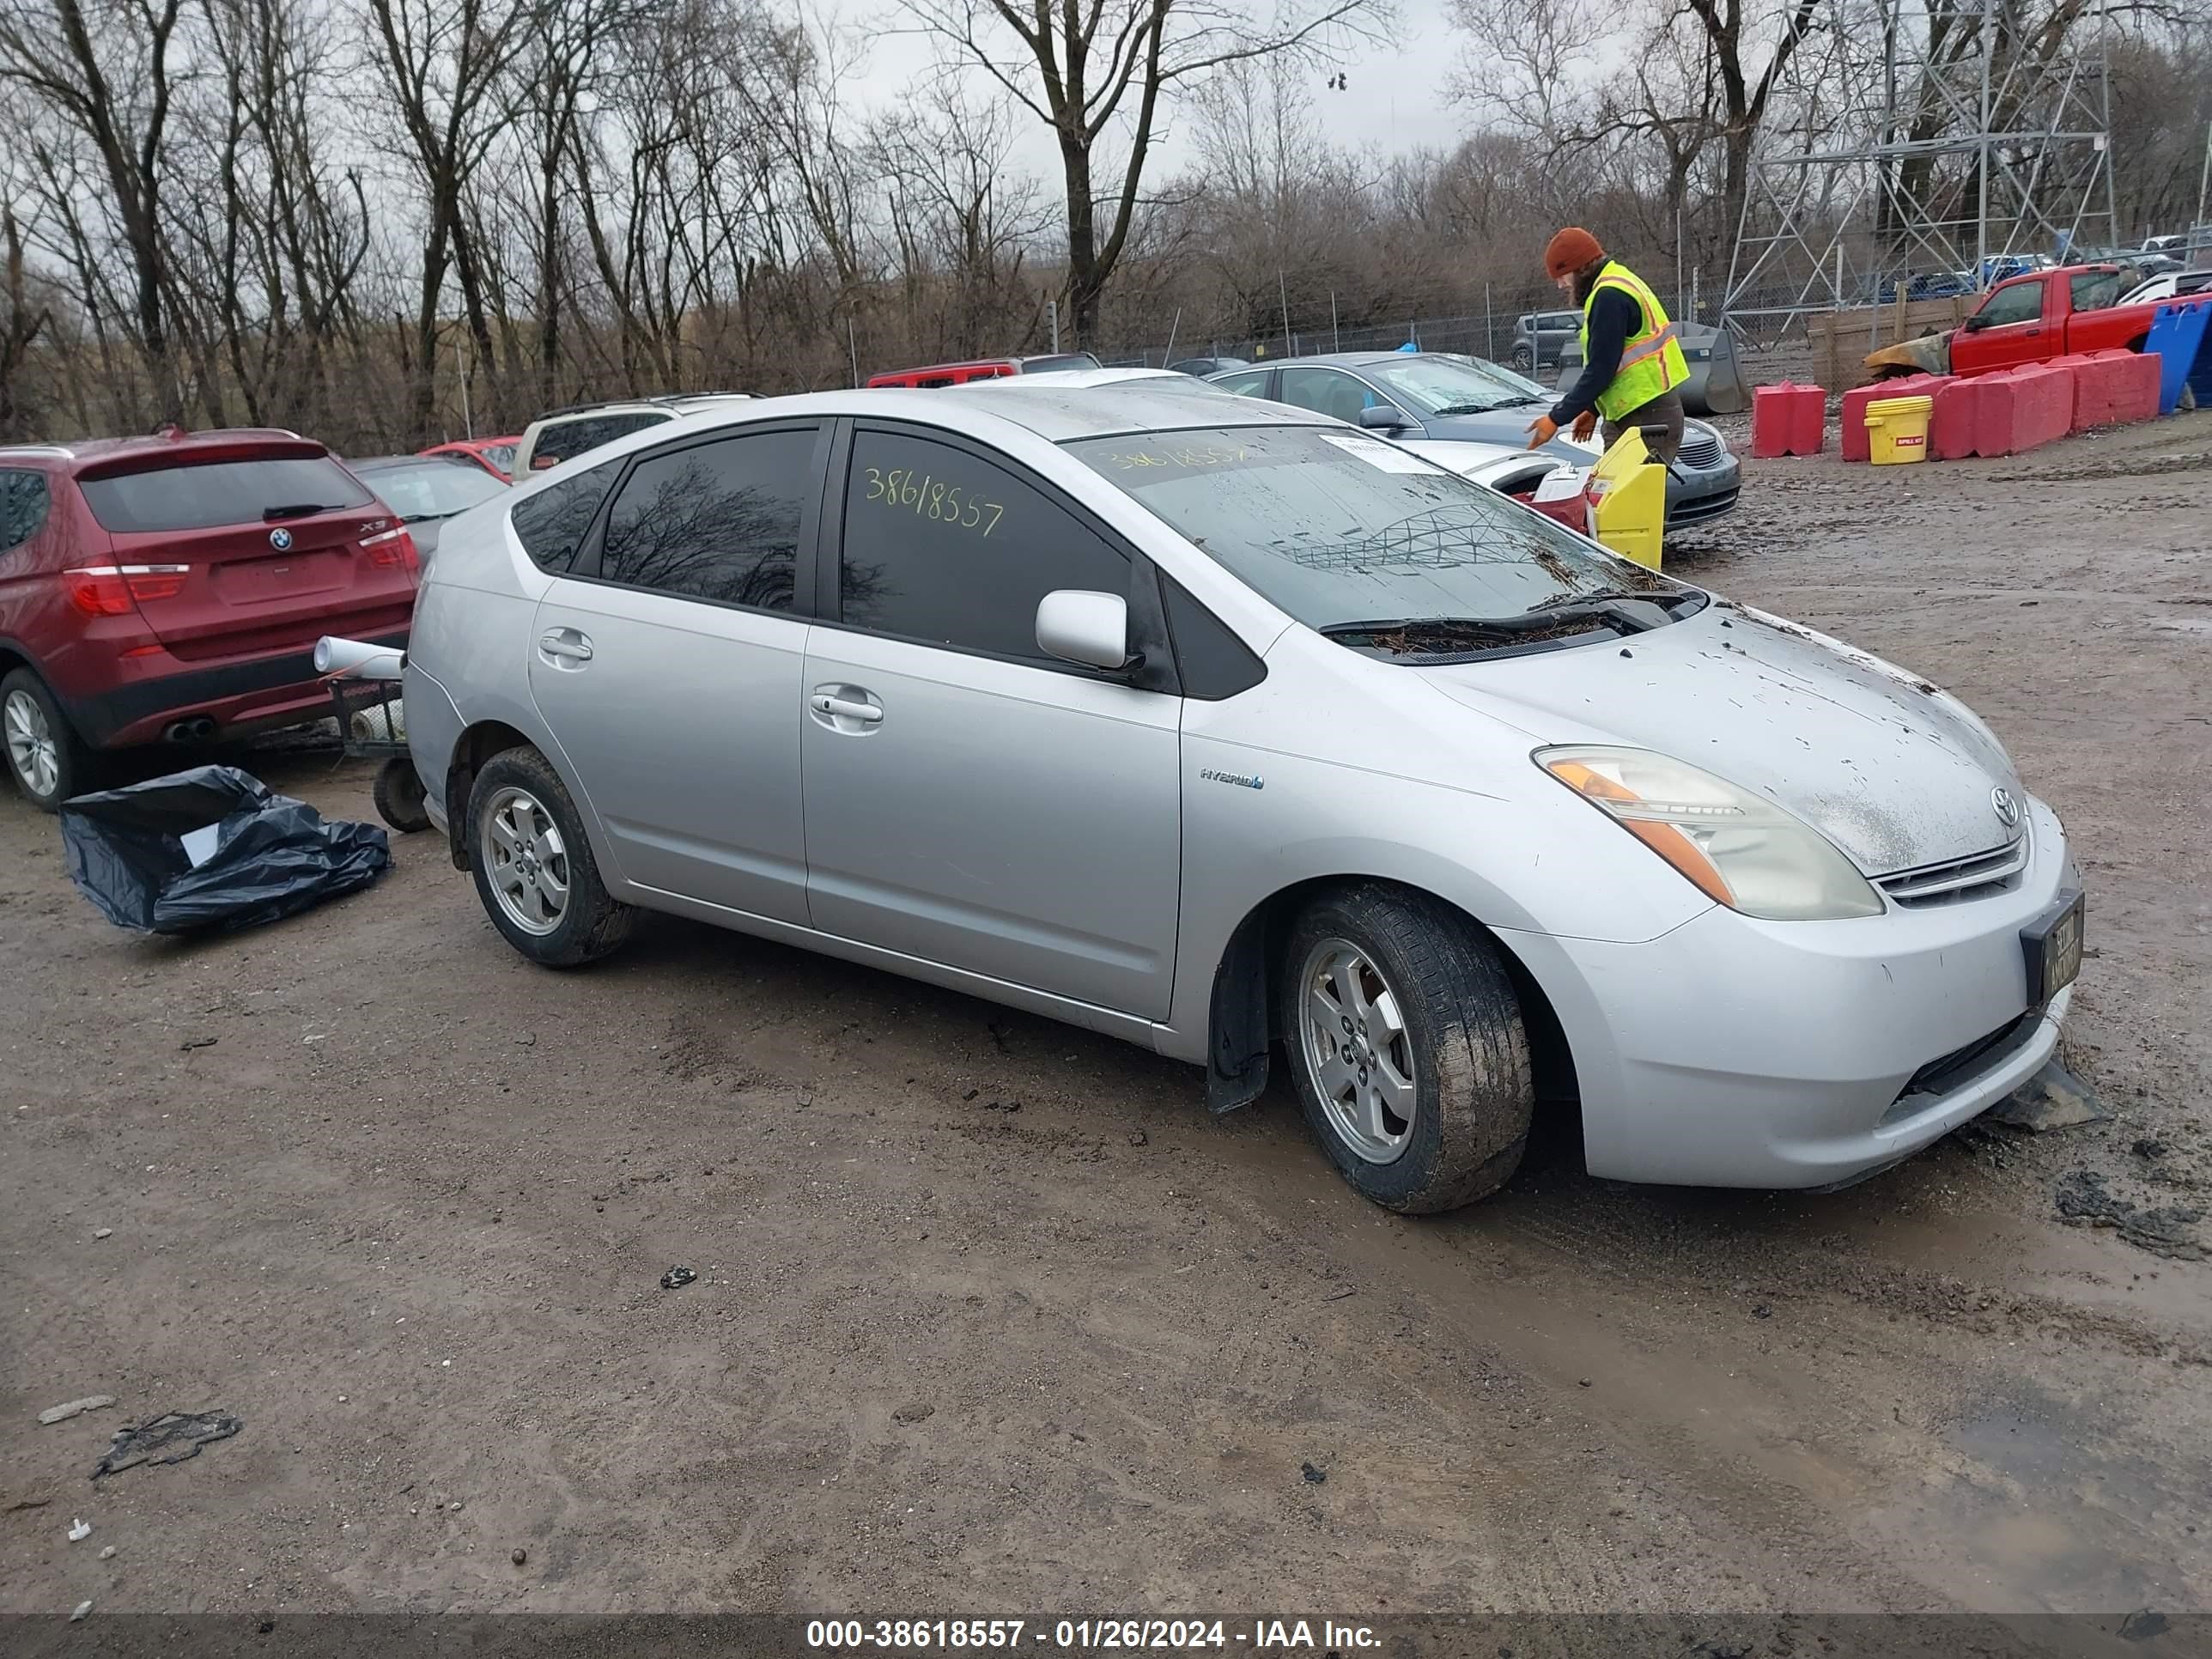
(298, 510)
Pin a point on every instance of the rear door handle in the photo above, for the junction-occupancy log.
(566, 644)
(845, 708)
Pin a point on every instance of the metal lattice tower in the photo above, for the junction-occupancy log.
(1915, 141)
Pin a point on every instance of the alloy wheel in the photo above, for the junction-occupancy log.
(32, 750)
(526, 861)
(1358, 1058)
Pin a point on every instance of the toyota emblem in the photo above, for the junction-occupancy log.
(280, 539)
(2007, 808)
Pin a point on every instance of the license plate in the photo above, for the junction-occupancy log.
(2053, 945)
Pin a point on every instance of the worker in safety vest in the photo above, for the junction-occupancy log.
(1633, 364)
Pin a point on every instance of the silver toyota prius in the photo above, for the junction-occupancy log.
(1240, 733)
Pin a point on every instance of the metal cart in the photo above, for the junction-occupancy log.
(398, 791)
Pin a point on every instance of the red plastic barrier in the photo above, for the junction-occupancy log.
(2043, 405)
(1788, 420)
(1994, 414)
(1853, 434)
(2113, 388)
(1956, 428)
(2080, 368)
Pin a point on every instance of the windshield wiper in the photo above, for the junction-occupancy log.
(1627, 613)
(1658, 596)
(1475, 409)
(298, 510)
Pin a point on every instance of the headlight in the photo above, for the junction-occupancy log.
(1738, 848)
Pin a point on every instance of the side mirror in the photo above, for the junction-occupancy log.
(1092, 628)
(1975, 323)
(1382, 417)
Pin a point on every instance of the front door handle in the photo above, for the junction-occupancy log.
(846, 708)
(566, 645)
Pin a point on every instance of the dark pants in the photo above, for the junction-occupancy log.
(1664, 410)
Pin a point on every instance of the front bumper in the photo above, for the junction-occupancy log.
(1693, 497)
(1737, 1052)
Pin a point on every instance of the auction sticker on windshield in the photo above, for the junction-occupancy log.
(1389, 456)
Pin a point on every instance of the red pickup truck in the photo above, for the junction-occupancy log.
(2049, 313)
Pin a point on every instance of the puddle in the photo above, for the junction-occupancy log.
(2037, 1509)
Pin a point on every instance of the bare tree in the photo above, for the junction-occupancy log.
(107, 74)
(1100, 72)
(440, 62)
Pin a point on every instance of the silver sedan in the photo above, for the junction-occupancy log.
(1247, 737)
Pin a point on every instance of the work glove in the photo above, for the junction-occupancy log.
(1542, 431)
(1585, 424)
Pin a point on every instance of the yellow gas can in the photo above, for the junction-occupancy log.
(1627, 493)
(1897, 429)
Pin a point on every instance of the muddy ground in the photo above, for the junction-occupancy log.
(991, 1317)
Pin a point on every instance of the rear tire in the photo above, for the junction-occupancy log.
(533, 864)
(47, 759)
(1406, 1045)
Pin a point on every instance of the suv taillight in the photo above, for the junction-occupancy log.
(111, 589)
(393, 551)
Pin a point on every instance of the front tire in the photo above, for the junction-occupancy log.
(47, 759)
(1522, 360)
(1408, 1049)
(534, 869)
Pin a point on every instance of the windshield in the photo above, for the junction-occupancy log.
(1337, 527)
(431, 489)
(1441, 385)
(1525, 389)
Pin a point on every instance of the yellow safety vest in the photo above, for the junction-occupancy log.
(1651, 362)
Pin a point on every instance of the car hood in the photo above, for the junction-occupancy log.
(1897, 772)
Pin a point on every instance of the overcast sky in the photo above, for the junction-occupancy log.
(1394, 98)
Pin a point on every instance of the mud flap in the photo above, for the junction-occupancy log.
(1237, 1055)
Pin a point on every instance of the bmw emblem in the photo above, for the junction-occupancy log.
(2007, 808)
(280, 539)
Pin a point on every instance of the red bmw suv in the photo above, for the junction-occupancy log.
(172, 588)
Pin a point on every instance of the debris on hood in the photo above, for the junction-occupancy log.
(169, 1438)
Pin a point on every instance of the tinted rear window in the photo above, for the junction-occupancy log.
(221, 492)
(551, 525)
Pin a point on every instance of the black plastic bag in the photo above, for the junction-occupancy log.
(267, 856)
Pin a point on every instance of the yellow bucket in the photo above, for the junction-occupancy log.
(1627, 493)
(1897, 429)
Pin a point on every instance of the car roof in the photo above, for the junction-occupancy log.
(1057, 414)
(214, 438)
(641, 405)
(1074, 377)
(1355, 359)
(386, 463)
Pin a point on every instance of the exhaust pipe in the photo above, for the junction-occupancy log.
(198, 729)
